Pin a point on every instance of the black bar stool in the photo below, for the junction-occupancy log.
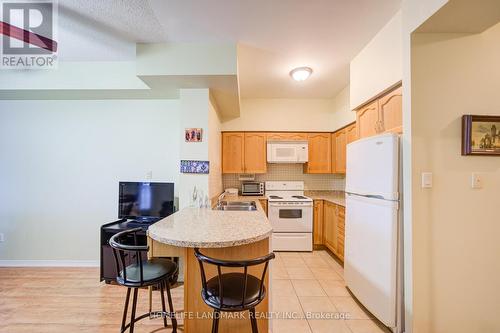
(233, 292)
(135, 272)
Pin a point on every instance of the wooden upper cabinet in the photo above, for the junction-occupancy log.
(351, 133)
(320, 153)
(334, 152)
(287, 136)
(384, 115)
(233, 152)
(340, 144)
(367, 120)
(391, 112)
(255, 160)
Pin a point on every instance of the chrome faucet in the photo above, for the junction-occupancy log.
(220, 197)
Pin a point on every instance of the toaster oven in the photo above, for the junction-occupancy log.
(252, 188)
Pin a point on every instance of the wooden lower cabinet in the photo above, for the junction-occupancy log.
(318, 222)
(330, 222)
(330, 226)
(340, 232)
(263, 203)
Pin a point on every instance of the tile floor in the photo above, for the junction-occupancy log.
(309, 296)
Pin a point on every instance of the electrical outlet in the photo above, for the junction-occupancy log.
(149, 175)
(2, 237)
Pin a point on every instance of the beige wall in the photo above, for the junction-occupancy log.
(214, 151)
(60, 164)
(455, 228)
(414, 13)
(277, 114)
(268, 114)
(342, 114)
(379, 65)
(194, 113)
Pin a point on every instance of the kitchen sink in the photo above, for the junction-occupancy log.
(236, 205)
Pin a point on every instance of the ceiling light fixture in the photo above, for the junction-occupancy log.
(301, 73)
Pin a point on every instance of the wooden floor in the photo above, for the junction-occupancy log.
(69, 300)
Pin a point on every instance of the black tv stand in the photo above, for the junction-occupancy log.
(108, 271)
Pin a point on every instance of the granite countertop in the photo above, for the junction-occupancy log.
(336, 197)
(207, 228)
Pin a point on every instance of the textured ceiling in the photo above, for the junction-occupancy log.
(274, 35)
(132, 20)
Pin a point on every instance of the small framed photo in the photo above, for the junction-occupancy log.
(193, 134)
(480, 135)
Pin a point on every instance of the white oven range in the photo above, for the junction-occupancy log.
(291, 215)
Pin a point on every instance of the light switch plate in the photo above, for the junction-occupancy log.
(426, 179)
(476, 180)
(2, 238)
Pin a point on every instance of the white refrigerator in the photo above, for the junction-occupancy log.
(373, 231)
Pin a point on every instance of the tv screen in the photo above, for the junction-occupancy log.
(145, 200)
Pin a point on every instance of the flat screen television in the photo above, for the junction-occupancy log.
(142, 200)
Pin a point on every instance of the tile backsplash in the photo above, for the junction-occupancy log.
(323, 182)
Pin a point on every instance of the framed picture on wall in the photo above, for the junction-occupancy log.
(188, 166)
(480, 135)
(193, 134)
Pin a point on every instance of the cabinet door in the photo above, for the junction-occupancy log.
(286, 136)
(233, 152)
(320, 153)
(340, 151)
(255, 153)
(351, 134)
(367, 120)
(330, 226)
(341, 232)
(391, 112)
(263, 203)
(318, 222)
(334, 152)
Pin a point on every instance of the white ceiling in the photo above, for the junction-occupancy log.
(274, 35)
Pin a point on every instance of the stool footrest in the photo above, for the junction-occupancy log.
(151, 315)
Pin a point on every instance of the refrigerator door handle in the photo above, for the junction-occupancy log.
(372, 196)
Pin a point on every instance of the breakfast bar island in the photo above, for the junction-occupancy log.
(221, 234)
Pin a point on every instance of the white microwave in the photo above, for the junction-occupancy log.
(287, 151)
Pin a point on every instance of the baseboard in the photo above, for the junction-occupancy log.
(334, 256)
(49, 263)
